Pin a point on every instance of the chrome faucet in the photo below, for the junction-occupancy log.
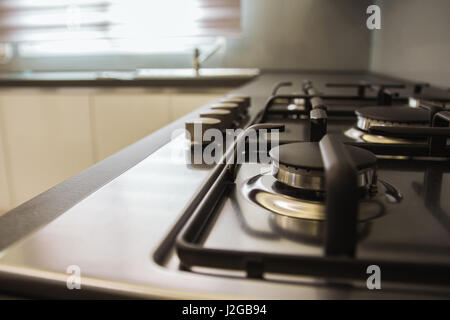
(198, 58)
(196, 61)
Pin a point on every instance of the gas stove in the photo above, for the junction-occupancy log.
(355, 181)
(322, 186)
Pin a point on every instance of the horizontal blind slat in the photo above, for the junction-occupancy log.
(46, 20)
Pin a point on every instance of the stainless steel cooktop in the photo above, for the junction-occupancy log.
(168, 229)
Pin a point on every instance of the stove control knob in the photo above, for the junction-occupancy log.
(242, 100)
(317, 103)
(221, 114)
(232, 107)
(196, 128)
(247, 99)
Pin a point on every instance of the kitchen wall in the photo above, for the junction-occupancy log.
(277, 34)
(315, 35)
(306, 34)
(414, 41)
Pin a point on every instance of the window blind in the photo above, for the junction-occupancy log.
(128, 22)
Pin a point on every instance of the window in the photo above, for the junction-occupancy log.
(77, 27)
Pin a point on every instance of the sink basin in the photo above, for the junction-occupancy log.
(154, 77)
(189, 73)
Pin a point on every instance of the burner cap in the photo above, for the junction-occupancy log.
(390, 116)
(300, 165)
(307, 155)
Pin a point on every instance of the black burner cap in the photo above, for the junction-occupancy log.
(306, 155)
(394, 114)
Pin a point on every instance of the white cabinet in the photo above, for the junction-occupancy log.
(47, 138)
(183, 103)
(5, 198)
(119, 119)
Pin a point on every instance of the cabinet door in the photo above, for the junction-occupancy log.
(47, 139)
(183, 103)
(121, 119)
(5, 200)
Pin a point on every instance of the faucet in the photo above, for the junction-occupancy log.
(198, 58)
(196, 61)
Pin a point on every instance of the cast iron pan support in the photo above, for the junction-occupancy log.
(280, 85)
(438, 143)
(309, 89)
(361, 86)
(237, 147)
(418, 87)
(437, 134)
(384, 96)
(317, 124)
(340, 242)
(341, 198)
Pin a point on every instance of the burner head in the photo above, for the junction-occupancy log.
(391, 116)
(300, 165)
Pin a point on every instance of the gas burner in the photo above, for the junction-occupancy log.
(313, 231)
(388, 116)
(300, 165)
(391, 116)
(265, 191)
(362, 136)
(295, 188)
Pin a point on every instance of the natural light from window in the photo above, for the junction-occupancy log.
(80, 27)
